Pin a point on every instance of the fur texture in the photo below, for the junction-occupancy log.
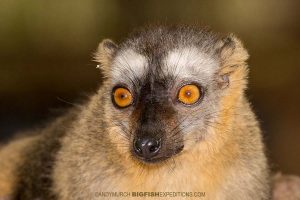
(214, 146)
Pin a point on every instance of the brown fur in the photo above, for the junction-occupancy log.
(11, 157)
(228, 162)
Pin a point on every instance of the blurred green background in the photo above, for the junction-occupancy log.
(46, 51)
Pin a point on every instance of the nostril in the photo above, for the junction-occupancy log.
(154, 146)
(147, 147)
(138, 147)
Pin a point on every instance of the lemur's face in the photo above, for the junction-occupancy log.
(162, 101)
(164, 94)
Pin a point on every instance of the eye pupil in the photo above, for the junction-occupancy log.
(188, 93)
(123, 96)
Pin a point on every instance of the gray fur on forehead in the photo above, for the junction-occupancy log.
(159, 39)
(184, 52)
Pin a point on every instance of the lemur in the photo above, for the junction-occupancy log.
(170, 116)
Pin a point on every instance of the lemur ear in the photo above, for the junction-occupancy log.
(104, 54)
(232, 53)
(233, 57)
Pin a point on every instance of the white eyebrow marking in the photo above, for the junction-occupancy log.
(187, 62)
(129, 63)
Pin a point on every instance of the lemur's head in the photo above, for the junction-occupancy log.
(164, 87)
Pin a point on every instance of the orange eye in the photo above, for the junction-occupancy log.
(122, 97)
(189, 94)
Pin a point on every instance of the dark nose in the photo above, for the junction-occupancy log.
(146, 147)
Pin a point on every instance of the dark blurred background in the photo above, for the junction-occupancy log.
(46, 51)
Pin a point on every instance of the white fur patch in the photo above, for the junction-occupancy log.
(129, 65)
(182, 63)
(189, 62)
